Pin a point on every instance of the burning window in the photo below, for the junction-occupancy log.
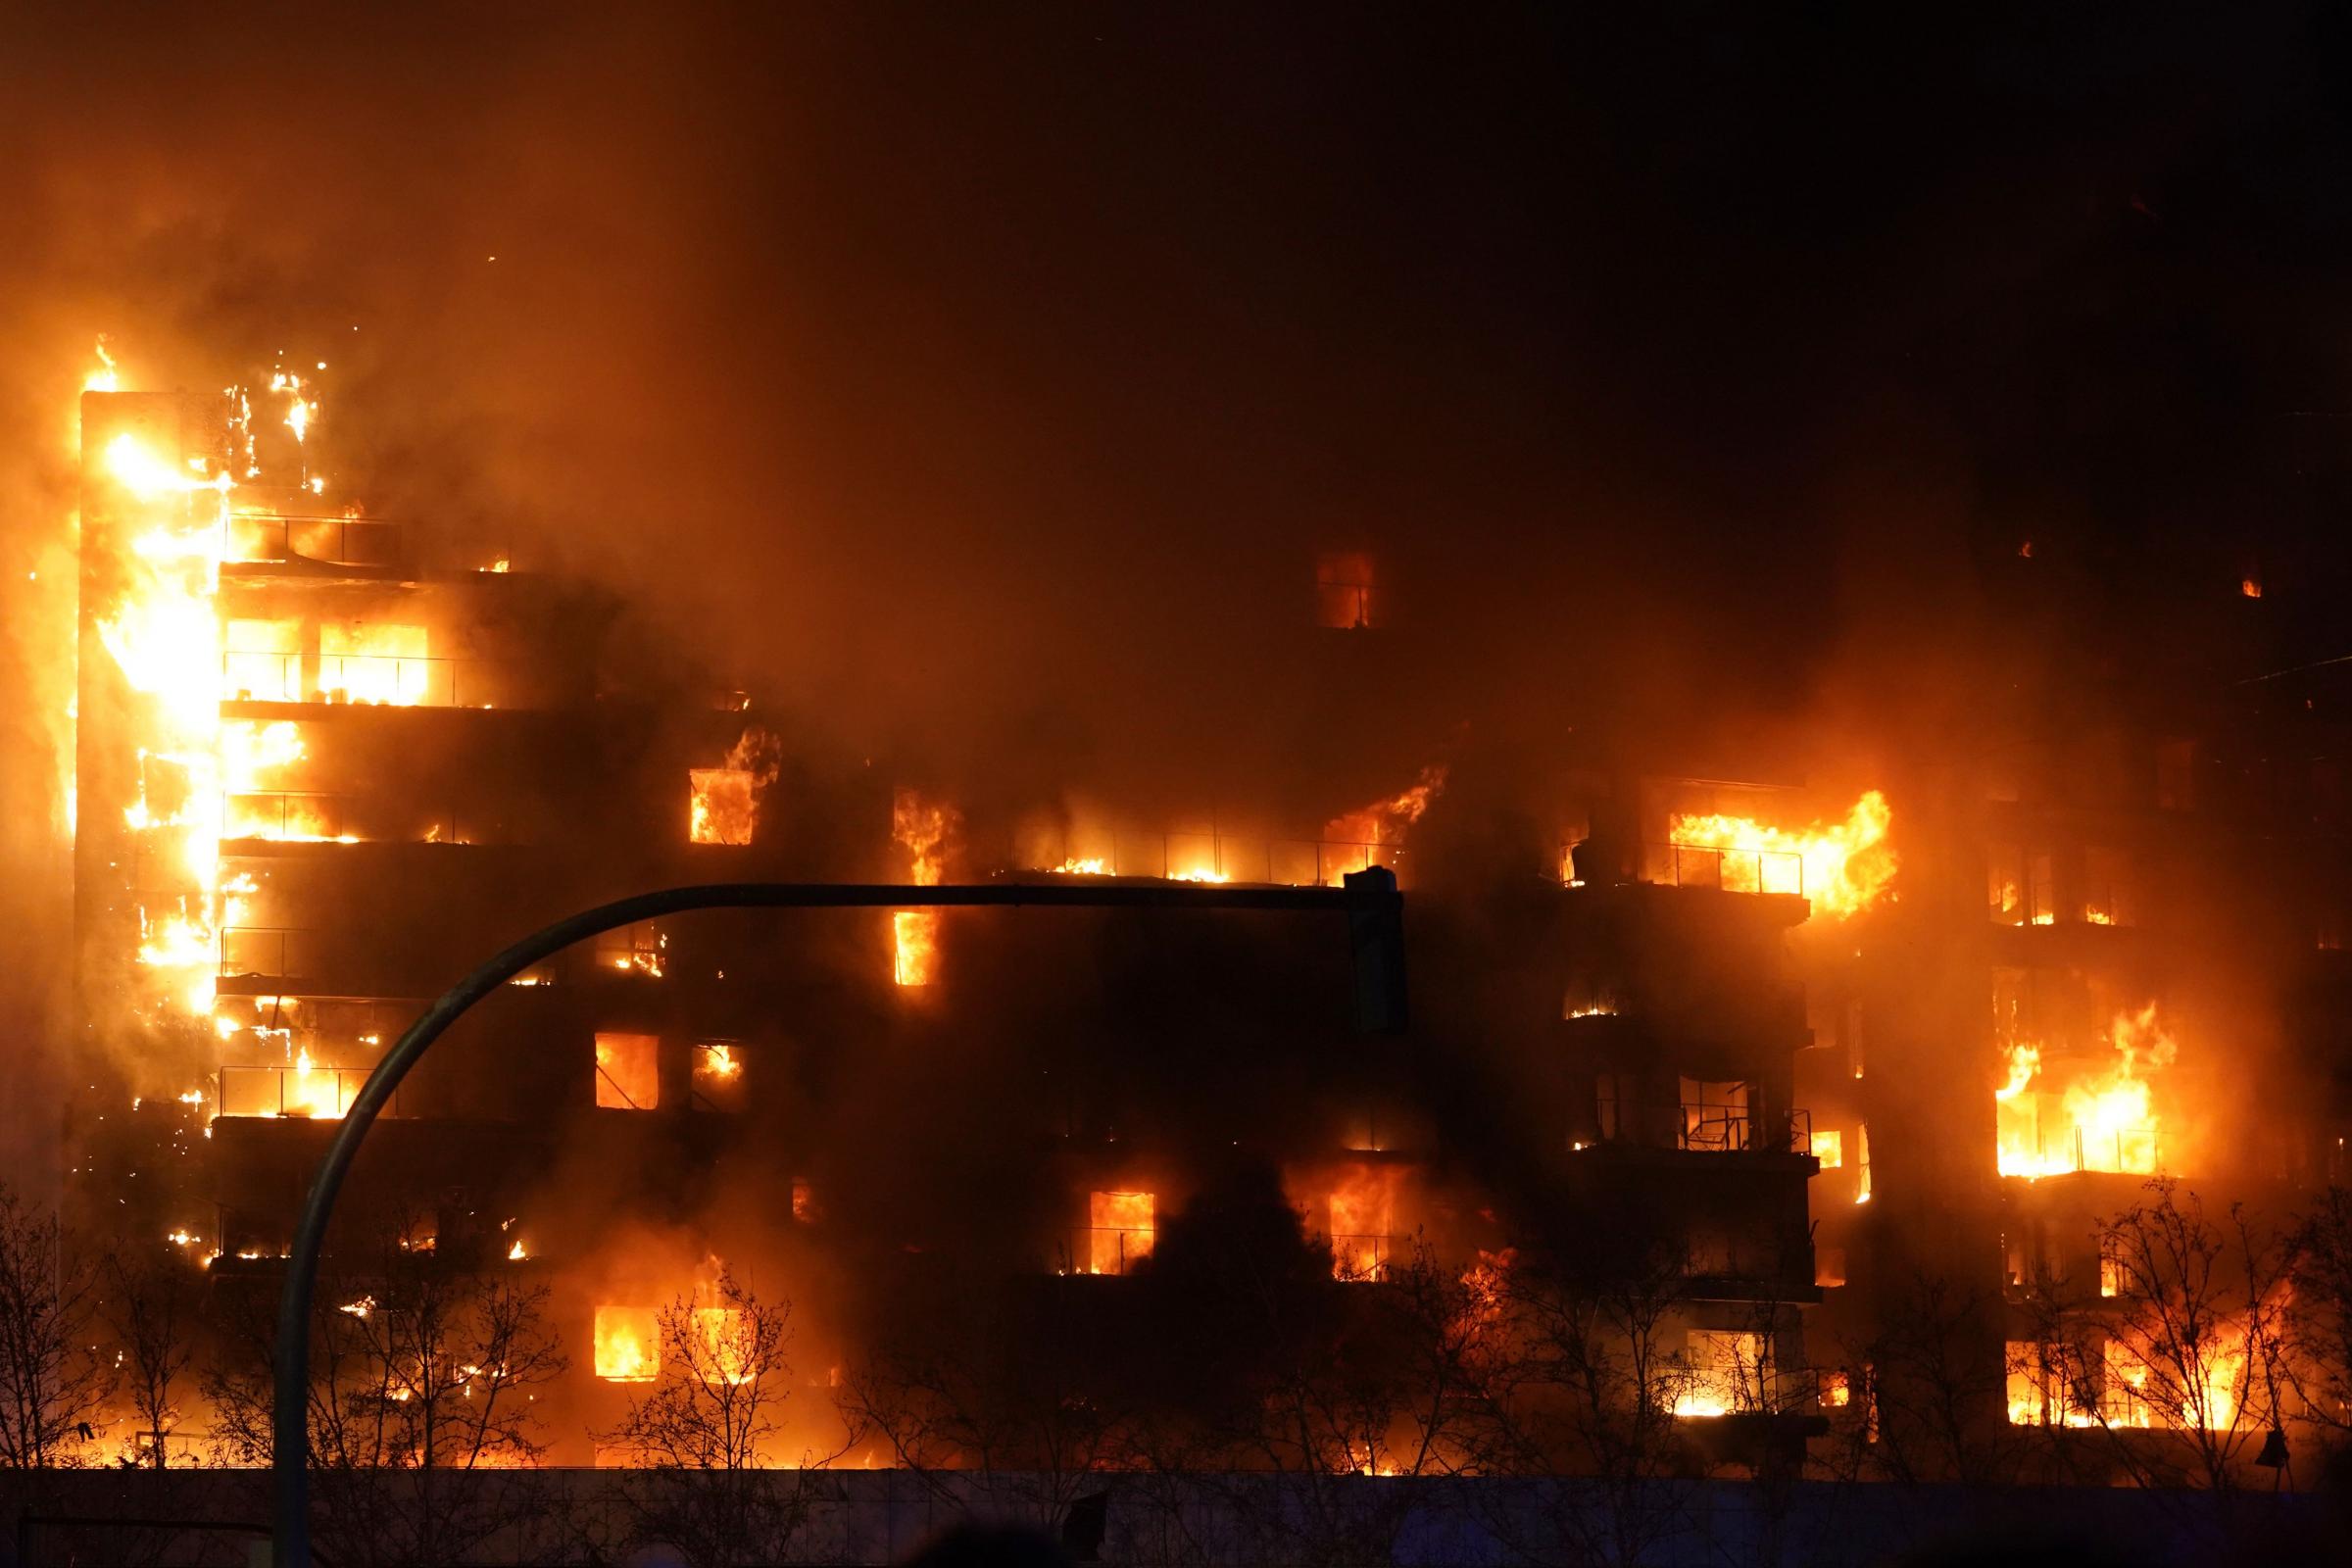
(723, 802)
(1119, 1231)
(628, 1343)
(1829, 1146)
(261, 662)
(1715, 1115)
(636, 948)
(1861, 1162)
(1343, 590)
(1362, 1219)
(718, 1076)
(2075, 1112)
(720, 808)
(2109, 888)
(364, 663)
(629, 1071)
(2020, 886)
(303, 1089)
(924, 828)
(1722, 1372)
(1829, 1266)
(2038, 1383)
(1844, 867)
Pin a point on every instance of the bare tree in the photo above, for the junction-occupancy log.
(51, 1386)
(2320, 1320)
(1928, 1400)
(424, 1366)
(153, 1306)
(1583, 1380)
(2192, 1326)
(705, 1428)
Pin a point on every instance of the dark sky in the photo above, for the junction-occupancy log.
(982, 380)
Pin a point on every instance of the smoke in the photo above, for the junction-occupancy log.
(979, 392)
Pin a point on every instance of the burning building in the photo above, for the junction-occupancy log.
(1720, 1062)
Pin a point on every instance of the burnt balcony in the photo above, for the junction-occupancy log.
(299, 542)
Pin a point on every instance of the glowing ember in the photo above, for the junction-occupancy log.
(1844, 867)
(627, 1343)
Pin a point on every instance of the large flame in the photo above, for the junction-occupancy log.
(1844, 867)
(922, 827)
(627, 1343)
(2103, 1119)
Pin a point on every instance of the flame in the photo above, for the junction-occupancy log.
(723, 802)
(310, 1093)
(1363, 1218)
(1087, 867)
(106, 378)
(924, 828)
(2103, 1120)
(1382, 825)
(1844, 867)
(1121, 1230)
(626, 1344)
(724, 1346)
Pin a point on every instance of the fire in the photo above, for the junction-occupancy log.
(627, 1343)
(924, 828)
(1363, 1219)
(365, 662)
(1844, 867)
(1120, 1232)
(723, 802)
(1375, 831)
(725, 1345)
(1087, 867)
(2103, 1120)
(163, 631)
(310, 1093)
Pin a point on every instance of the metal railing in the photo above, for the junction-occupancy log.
(1361, 1257)
(336, 541)
(272, 951)
(1737, 1129)
(1213, 856)
(286, 814)
(398, 680)
(1105, 1249)
(323, 1093)
(1696, 866)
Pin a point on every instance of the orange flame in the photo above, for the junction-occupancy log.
(1844, 867)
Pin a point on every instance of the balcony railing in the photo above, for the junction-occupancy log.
(398, 680)
(1693, 866)
(337, 540)
(1361, 1257)
(1729, 1129)
(1104, 1249)
(323, 1093)
(1228, 858)
(275, 952)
